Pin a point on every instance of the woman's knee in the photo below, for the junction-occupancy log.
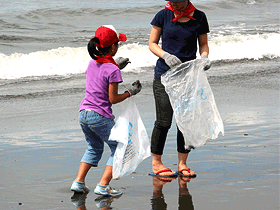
(162, 125)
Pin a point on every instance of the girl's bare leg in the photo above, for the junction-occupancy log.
(107, 176)
(83, 170)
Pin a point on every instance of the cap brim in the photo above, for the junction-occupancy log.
(122, 37)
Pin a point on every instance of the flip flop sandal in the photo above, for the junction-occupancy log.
(180, 173)
(164, 170)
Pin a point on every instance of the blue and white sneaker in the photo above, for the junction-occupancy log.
(79, 187)
(106, 190)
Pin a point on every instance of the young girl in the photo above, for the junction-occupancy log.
(96, 119)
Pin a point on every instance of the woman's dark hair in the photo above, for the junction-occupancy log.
(95, 51)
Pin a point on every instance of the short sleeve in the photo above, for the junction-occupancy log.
(204, 26)
(158, 19)
(115, 76)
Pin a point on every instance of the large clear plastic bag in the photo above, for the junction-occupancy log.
(134, 144)
(193, 102)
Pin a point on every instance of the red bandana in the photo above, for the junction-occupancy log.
(190, 8)
(106, 59)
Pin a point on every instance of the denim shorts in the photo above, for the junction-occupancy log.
(97, 130)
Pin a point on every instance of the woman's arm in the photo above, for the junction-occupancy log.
(204, 50)
(203, 45)
(154, 40)
(114, 97)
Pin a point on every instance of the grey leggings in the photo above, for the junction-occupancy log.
(164, 114)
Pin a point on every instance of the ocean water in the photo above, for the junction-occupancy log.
(43, 41)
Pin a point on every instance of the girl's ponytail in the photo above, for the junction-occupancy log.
(95, 51)
(92, 49)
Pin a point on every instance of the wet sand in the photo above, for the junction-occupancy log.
(41, 146)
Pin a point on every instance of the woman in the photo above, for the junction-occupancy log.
(180, 26)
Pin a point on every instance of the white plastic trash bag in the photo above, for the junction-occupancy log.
(134, 144)
(193, 102)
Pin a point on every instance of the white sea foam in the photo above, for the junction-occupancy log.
(63, 61)
(139, 55)
(237, 47)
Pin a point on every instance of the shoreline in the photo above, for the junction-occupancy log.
(41, 146)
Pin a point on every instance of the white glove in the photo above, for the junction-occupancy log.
(171, 60)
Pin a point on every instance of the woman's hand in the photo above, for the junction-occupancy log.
(171, 60)
(207, 62)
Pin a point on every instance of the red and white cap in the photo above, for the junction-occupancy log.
(108, 35)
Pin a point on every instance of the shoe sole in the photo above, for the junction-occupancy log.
(79, 191)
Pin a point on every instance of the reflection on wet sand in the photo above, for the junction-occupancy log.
(101, 202)
(79, 200)
(184, 200)
(157, 201)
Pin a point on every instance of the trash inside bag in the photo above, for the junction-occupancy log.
(193, 103)
(134, 144)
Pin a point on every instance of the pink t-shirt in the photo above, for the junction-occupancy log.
(98, 77)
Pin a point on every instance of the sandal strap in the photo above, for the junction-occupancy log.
(185, 169)
(164, 170)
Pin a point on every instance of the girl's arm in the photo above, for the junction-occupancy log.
(203, 45)
(114, 97)
(153, 41)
